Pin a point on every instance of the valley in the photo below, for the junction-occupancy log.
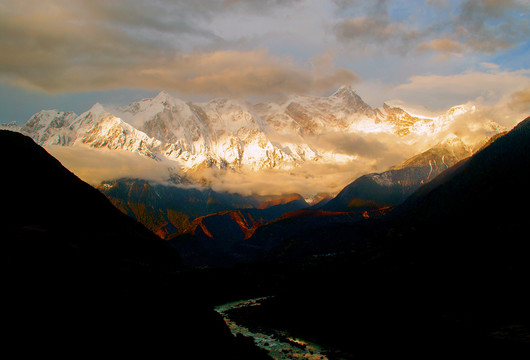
(366, 260)
(265, 179)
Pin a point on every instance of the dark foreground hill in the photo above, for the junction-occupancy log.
(445, 273)
(81, 278)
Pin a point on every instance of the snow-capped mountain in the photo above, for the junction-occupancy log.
(50, 127)
(227, 133)
(12, 126)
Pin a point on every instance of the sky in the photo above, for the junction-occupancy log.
(429, 55)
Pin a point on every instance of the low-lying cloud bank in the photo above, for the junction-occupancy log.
(97, 165)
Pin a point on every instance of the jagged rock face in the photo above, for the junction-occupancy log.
(226, 133)
(50, 127)
(307, 115)
(114, 134)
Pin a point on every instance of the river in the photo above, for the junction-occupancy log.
(280, 345)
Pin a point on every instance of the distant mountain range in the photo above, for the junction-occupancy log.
(227, 133)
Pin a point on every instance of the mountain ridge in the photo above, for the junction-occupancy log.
(227, 133)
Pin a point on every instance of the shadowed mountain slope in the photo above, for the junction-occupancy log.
(82, 278)
(166, 209)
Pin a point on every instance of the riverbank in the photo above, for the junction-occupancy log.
(279, 344)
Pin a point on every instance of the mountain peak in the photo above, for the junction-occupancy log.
(450, 139)
(459, 110)
(344, 90)
(97, 108)
(163, 96)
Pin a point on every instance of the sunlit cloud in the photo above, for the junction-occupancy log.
(307, 180)
(83, 46)
(492, 25)
(520, 101)
(485, 26)
(480, 87)
(445, 47)
(97, 165)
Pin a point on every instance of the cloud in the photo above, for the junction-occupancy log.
(490, 66)
(520, 101)
(484, 26)
(364, 145)
(259, 5)
(75, 46)
(255, 72)
(96, 165)
(374, 28)
(443, 91)
(367, 153)
(306, 180)
(376, 153)
(491, 25)
(444, 46)
(437, 3)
